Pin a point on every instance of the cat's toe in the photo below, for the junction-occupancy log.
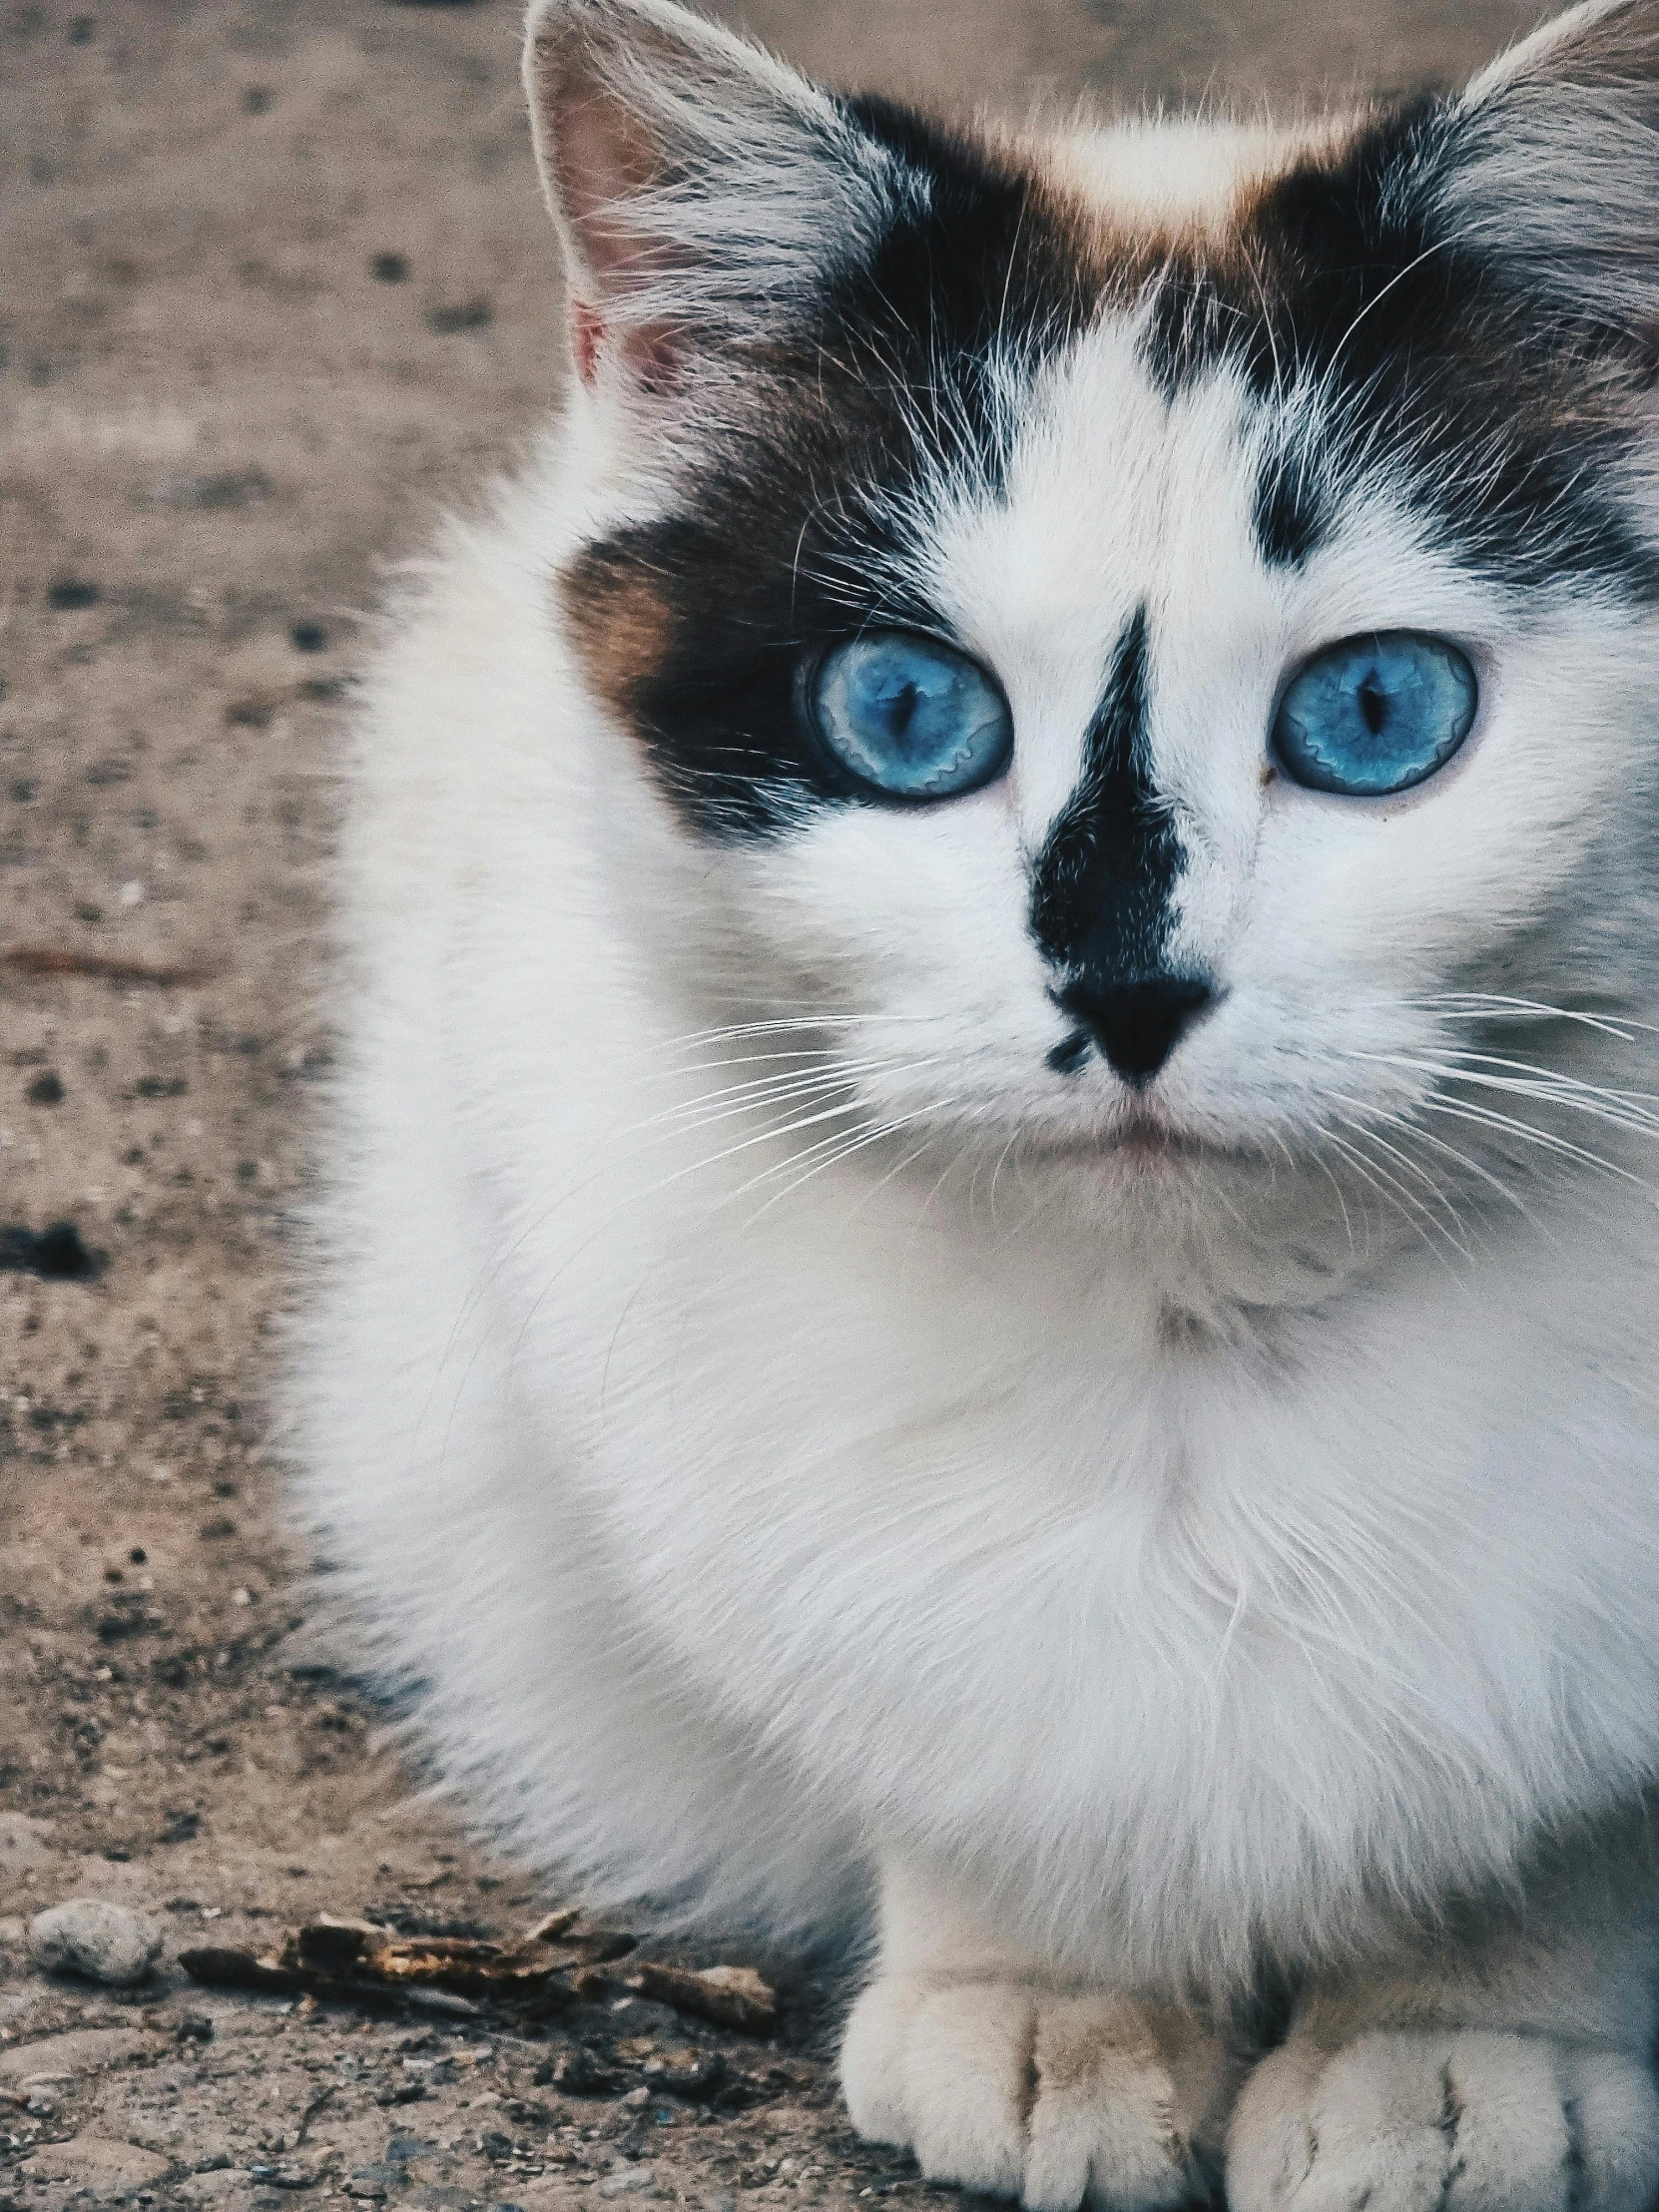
(1059, 2100)
(1451, 2121)
(937, 2069)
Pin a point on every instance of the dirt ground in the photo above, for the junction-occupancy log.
(276, 284)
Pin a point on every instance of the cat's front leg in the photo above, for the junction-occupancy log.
(1007, 2078)
(1508, 2069)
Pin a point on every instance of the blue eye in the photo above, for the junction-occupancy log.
(1376, 715)
(910, 716)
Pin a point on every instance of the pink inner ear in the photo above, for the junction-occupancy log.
(587, 334)
(648, 354)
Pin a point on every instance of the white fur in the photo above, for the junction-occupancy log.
(1152, 1557)
(1178, 174)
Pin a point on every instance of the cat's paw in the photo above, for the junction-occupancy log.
(1462, 2121)
(1059, 2100)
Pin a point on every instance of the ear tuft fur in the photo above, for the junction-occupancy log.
(1553, 164)
(703, 189)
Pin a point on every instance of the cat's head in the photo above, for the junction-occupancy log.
(1147, 635)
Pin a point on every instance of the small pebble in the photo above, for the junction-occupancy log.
(67, 592)
(465, 314)
(107, 1943)
(222, 489)
(632, 2181)
(55, 1254)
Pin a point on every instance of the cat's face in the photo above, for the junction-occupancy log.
(1150, 641)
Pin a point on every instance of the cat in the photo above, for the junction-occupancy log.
(991, 1244)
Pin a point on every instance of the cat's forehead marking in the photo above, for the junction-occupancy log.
(791, 522)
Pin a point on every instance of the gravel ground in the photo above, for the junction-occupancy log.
(278, 284)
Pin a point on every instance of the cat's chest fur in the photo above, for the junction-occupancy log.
(1259, 1629)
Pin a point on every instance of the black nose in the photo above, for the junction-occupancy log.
(1136, 1025)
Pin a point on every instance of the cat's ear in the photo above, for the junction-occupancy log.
(703, 191)
(1551, 164)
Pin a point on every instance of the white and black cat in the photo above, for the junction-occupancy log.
(995, 1216)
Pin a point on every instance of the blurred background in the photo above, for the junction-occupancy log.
(278, 284)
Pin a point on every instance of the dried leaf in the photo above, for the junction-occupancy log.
(578, 1942)
(553, 1924)
(730, 1996)
(328, 1952)
(332, 1956)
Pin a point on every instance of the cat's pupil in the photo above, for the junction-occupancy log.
(902, 706)
(1373, 705)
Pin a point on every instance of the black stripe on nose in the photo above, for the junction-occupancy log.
(1103, 881)
(1103, 889)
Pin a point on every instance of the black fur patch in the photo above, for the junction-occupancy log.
(1066, 1057)
(785, 543)
(1101, 889)
(1496, 414)
(1291, 511)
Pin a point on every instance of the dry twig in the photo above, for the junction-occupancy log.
(107, 967)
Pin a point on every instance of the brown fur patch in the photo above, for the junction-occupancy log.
(621, 623)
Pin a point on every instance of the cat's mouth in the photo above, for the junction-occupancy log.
(1141, 1138)
(1146, 1139)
